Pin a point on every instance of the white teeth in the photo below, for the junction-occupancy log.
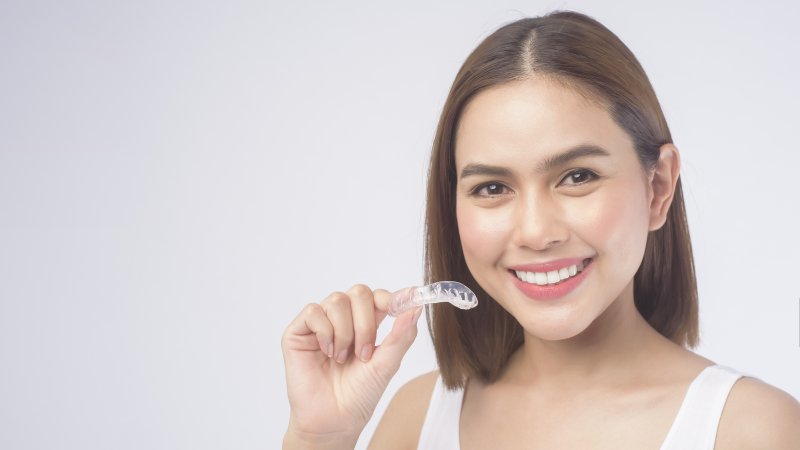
(530, 277)
(552, 277)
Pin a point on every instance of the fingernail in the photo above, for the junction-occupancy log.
(341, 356)
(366, 352)
(330, 350)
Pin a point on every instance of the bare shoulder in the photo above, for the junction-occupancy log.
(758, 415)
(401, 424)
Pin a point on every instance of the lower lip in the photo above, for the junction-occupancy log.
(551, 291)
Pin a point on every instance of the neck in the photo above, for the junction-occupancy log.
(601, 355)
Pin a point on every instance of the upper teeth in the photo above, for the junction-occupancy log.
(552, 277)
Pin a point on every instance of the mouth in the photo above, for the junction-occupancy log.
(553, 277)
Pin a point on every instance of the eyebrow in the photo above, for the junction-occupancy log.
(548, 164)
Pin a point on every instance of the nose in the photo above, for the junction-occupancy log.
(538, 223)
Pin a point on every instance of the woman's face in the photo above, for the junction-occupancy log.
(547, 182)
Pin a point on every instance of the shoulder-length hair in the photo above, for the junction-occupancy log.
(577, 50)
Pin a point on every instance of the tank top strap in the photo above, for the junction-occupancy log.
(440, 429)
(695, 426)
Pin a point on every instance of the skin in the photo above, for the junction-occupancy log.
(332, 392)
(592, 373)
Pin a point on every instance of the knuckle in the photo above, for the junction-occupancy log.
(382, 292)
(337, 299)
(311, 309)
(361, 290)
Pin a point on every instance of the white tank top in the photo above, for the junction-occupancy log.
(694, 428)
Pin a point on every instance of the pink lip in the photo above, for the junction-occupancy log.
(551, 291)
(548, 266)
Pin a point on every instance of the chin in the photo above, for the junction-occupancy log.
(555, 325)
(553, 332)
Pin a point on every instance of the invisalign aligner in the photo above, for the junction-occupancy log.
(453, 292)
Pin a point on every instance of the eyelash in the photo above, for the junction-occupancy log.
(476, 191)
(592, 177)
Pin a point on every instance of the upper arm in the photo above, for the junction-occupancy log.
(401, 424)
(757, 416)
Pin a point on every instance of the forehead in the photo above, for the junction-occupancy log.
(531, 119)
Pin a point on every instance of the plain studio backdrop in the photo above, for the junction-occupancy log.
(178, 179)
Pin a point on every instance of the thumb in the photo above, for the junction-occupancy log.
(388, 355)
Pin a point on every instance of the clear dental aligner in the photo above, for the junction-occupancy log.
(453, 292)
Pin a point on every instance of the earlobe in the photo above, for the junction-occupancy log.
(663, 181)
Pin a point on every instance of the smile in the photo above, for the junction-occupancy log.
(554, 276)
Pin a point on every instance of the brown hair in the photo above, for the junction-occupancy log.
(577, 50)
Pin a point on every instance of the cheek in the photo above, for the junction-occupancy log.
(483, 233)
(617, 223)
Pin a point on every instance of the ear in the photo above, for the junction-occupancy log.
(662, 181)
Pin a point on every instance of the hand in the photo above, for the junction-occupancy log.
(334, 373)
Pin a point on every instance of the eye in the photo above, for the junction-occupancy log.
(579, 176)
(491, 189)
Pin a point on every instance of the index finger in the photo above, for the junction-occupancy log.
(383, 300)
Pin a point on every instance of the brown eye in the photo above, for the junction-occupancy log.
(494, 189)
(580, 176)
(489, 190)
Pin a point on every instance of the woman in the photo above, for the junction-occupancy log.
(554, 193)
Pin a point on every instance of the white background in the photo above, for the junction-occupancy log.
(177, 179)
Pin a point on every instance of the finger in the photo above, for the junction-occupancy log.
(383, 299)
(388, 355)
(310, 327)
(337, 308)
(363, 305)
